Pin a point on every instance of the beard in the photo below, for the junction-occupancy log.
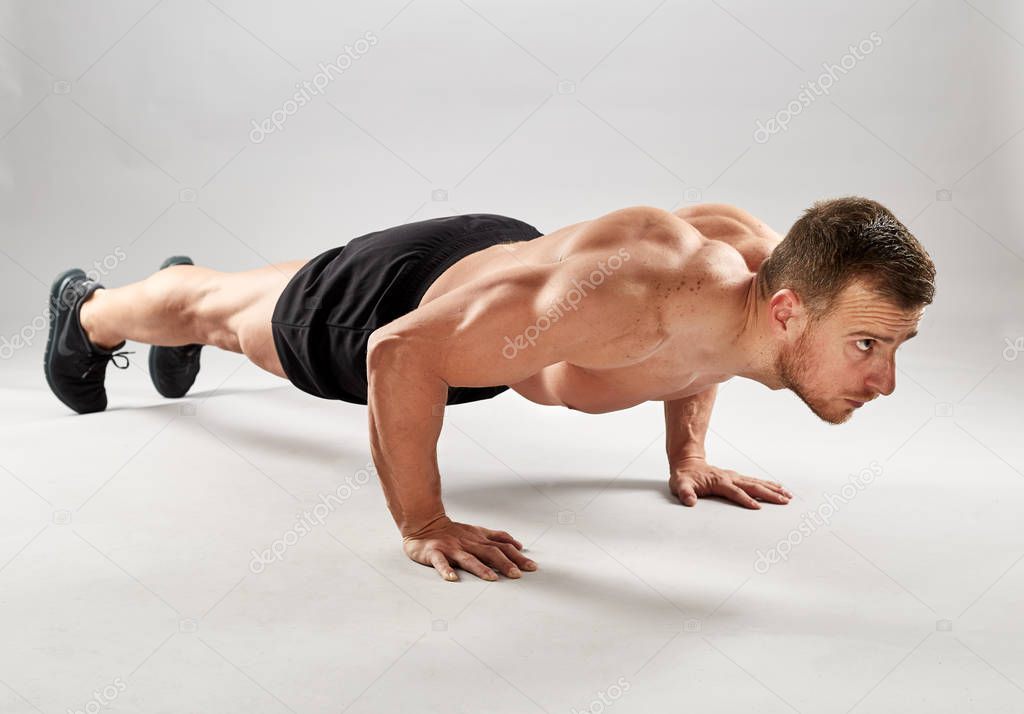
(794, 366)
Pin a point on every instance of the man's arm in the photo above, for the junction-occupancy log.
(686, 425)
(690, 476)
(455, 340)
(410, 364)
(460, 339)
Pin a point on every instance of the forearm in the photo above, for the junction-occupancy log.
(686, 424)
(406, 405)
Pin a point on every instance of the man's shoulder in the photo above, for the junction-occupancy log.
(652, 235)
(749, 236)
(654, 252)
(729, 218)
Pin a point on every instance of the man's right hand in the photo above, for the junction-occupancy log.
(471, 548)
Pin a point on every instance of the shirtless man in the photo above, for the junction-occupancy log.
(640, 304)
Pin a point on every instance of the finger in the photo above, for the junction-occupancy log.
(759, 490)
(516, 557)
(504, 537)
(470, 564)
(737, 494)
(442, 566)
(777, 487)
(492, 555)
(686, 495)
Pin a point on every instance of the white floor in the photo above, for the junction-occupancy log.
(127, 584)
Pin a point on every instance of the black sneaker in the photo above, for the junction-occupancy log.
(174, 369)
(75, 368)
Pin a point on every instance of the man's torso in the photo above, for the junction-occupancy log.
(695, 271)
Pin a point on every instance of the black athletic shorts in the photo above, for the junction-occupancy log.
(323, 319)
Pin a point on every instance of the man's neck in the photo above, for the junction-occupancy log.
(752, 353)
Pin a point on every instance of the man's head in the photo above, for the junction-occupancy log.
(844, 289)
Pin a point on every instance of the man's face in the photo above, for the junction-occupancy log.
(849, 356)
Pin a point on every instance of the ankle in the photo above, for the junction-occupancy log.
(92, 325)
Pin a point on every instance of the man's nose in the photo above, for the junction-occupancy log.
(883, 380)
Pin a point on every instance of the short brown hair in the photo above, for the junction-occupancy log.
(841, 240)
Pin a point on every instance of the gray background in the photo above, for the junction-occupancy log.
(124, 537)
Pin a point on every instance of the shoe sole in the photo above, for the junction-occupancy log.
(173, 260)
(56, 290)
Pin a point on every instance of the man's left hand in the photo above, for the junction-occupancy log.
(694, 478)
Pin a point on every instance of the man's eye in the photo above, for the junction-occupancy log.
(868, 340)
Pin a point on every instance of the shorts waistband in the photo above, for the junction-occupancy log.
(457, 248)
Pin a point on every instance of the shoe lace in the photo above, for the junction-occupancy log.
(112, 357)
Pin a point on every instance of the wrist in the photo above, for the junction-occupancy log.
(688, 457)
(418, 527)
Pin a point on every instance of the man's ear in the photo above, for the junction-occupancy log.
(787, 310)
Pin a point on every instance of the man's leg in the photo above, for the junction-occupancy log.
(190, 304)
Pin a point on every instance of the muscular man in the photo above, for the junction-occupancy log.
(639, 304)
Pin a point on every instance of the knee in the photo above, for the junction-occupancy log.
(190, 298)
(212, 317)
(173, 294)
